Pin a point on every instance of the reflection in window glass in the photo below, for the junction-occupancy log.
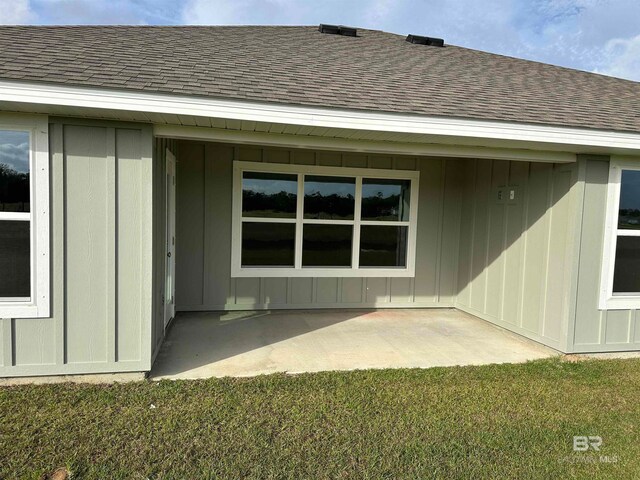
(629, 210)
(268, 244)
(329, 197)
(385, 199)
(15, 258)
(626, 277)
(271, 195)
(327, 245)
(383, 246)
(14, 171)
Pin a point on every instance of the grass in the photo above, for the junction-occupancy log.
(506, 421)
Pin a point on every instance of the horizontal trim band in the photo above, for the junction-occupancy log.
(279, 140)
(48, 94)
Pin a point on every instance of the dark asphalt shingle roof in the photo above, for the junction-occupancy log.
(298, 65)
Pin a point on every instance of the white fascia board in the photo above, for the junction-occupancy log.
(49, 94)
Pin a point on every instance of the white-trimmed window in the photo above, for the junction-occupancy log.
(312, 221)
(24, 216)
(620, 278)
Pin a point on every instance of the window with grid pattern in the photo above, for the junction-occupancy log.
(310, 221)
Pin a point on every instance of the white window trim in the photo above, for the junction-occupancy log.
(38, 305)
(238, 271)
(607, 300)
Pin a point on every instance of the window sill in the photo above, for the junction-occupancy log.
(321, 272)
(620, 303)
(23, 310)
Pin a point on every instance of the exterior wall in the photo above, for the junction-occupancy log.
(531, 265)
(515, 256)
(594, 330)
(101, 215)
(203, 237)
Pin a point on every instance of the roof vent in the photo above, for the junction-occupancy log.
(432, 42)
(338, 30)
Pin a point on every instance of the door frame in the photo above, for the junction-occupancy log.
(170, 238)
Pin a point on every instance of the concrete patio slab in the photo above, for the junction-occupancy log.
(219, 344)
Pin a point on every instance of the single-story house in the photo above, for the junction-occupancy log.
(149, 170)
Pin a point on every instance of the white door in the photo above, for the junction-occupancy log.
(170, 284)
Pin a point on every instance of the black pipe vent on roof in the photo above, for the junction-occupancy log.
(338, 30)
(433, 42)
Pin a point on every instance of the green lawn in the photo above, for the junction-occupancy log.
(509, 421)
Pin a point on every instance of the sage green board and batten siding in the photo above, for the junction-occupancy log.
(101, 204)
(203, 240)
(515, 256)
(593, 329)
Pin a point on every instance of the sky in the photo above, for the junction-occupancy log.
(601, 36)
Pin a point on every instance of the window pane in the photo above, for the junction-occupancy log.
(14, 171)
(329, 197)
(383, 246)
(385, 199)
(629, 212)
(326, 245)
(271, 195)
(15, 259)
(626, 276)
(268, 244)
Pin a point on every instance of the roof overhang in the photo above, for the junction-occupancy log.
(260, 122)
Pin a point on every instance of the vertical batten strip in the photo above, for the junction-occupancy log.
(504, 248)
(58, 239)
(208, 227)
(289, 291)
(146, 254)
(357, 216)
(473, 228)
(111, 295)
(7, 342)
(203, 278)
(439, 249)
(487, 261)
(146, 235)
(314, 290)
(524, 228)
(542, 327)
(633, 327)
(299, 221)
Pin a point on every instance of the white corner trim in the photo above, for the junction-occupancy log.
(606, 299)
(48, 94)
(38, 305)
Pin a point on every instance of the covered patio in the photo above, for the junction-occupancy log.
(247, 343)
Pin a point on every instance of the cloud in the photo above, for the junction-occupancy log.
(14, 149)
(16, 12)
(93, 12)
(248, 12)
(15, 155)
(622, 58)
(202, 12)
(379, 11)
